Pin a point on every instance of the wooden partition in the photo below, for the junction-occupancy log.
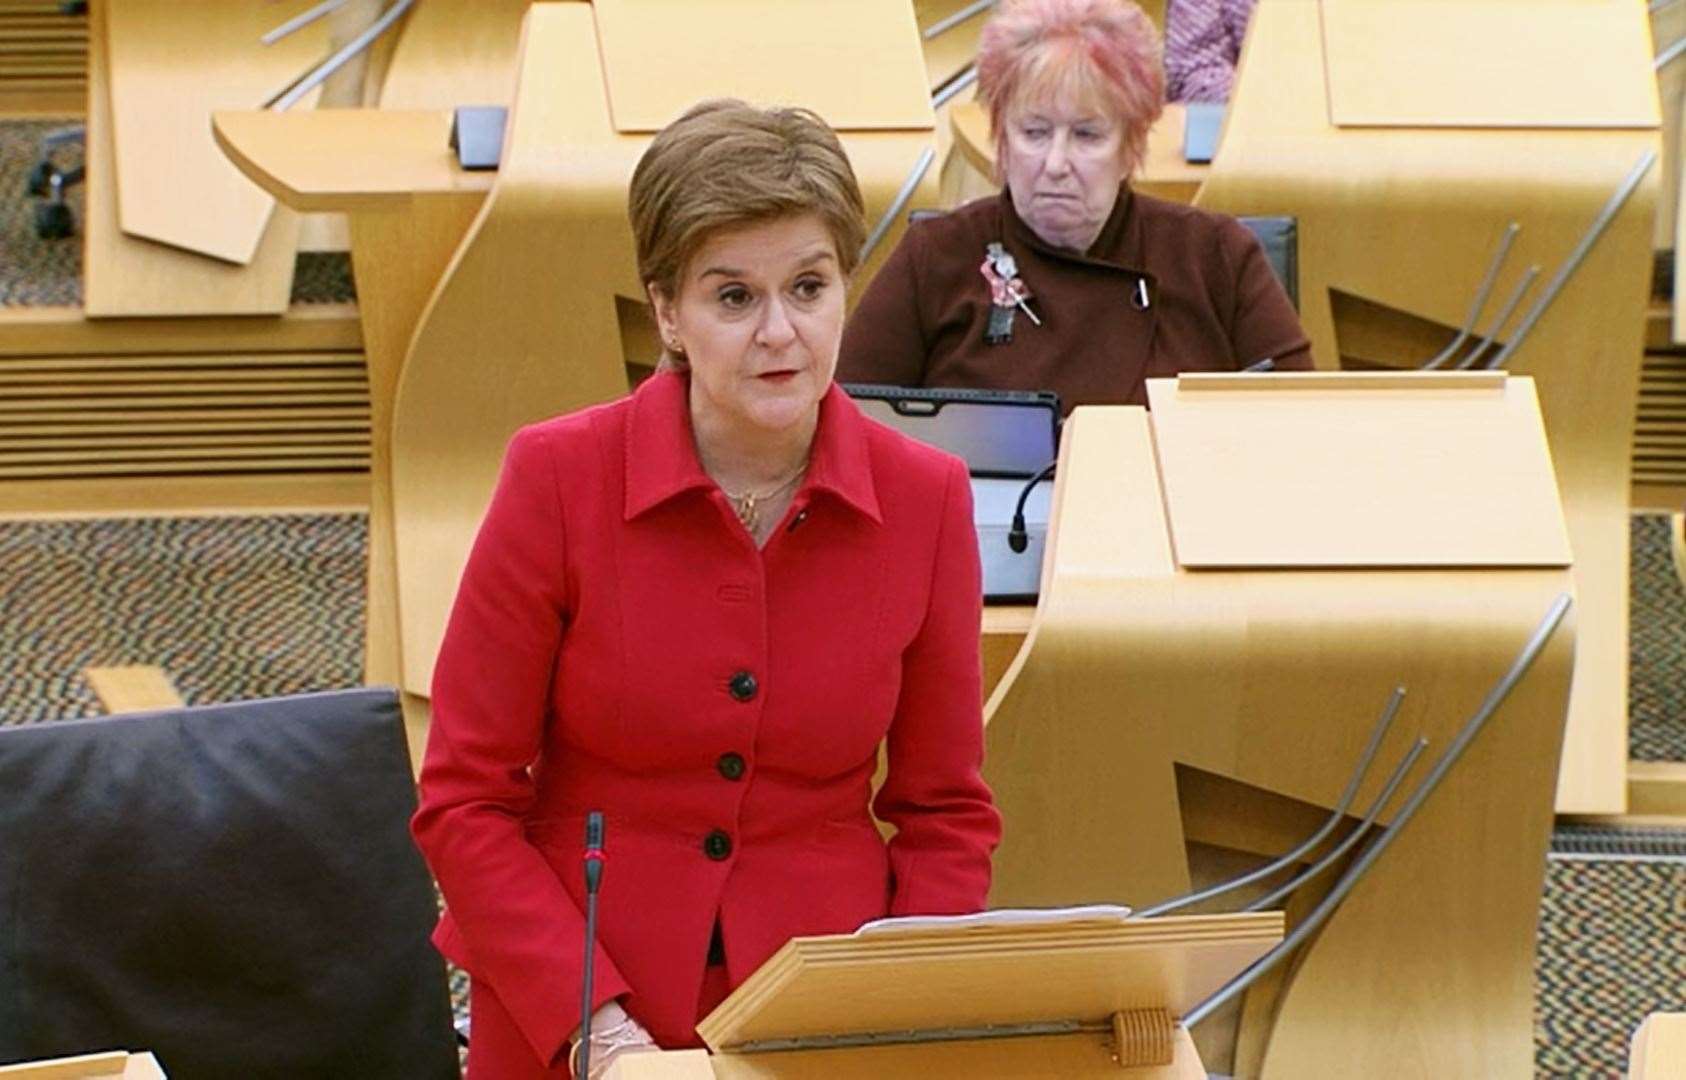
(491, 300)
(1405, 137)
(1225, 612)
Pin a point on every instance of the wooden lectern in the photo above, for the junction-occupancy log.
(1233, 588)
(490, 301)
(1405, 137)
(1071, 999)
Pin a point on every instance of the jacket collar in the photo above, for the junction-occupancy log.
(661, 452)
(1117, 247)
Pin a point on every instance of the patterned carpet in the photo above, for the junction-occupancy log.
(247, 607)
(34, 271)
(1656, 647)
(230, 607)
(1612, 947)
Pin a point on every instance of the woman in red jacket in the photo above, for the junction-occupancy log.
(700, 609)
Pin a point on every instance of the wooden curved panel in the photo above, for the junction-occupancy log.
(1408, 219)
(527, 321)
(474, 372)
(1151, 705)
(170, 66)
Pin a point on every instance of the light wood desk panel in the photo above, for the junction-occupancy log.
(1146, 691)
(1406, 220)
(169, 66)
(125, 275)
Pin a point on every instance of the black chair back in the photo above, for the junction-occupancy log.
(1280, 238)
(233, 888)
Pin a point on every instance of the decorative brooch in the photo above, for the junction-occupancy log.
(1007, 294)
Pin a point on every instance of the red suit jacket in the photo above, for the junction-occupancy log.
(619, 644)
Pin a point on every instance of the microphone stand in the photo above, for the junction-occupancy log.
(593, 879)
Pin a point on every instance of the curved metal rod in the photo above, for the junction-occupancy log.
(1529, 276)
(1669, 55)
(897, 204)
(943, 26)
(954, 86)
(1573, 262)
(1316, 869)
(1533, 272)
(312, 79)
(1341, 806)
(1354, 873)
(302, 20)
(1481, 294)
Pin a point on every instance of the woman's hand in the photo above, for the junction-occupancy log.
(613, 1033)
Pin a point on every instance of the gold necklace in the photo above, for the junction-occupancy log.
(748, 505)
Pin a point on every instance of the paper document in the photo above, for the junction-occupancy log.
(1087, 913)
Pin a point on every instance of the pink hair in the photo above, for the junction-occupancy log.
(1106, 51)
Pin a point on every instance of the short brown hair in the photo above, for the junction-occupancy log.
(726, 164)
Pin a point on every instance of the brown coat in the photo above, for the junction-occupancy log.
(1213, 304)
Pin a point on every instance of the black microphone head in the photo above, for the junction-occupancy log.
(594, 830)
(1018, 537)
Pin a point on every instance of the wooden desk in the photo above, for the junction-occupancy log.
(1160, 712)
(1397, 227)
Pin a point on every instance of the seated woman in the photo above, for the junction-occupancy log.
(700, 609)
(1068, 280)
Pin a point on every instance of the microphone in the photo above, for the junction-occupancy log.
(1018, 536)
(1267, 364)
(593, 879)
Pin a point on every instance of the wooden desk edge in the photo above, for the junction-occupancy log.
(464, 182)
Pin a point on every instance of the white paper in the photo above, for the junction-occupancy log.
(1086, 913)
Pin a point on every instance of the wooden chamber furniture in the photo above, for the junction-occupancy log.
(1216, 636)
(1404, 138)
(180, 410)
(494, 300)
(1659, 1048)
(1078, 998)
(126, 275)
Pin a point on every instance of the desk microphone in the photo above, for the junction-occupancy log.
(593, 879)
(1018, 537)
